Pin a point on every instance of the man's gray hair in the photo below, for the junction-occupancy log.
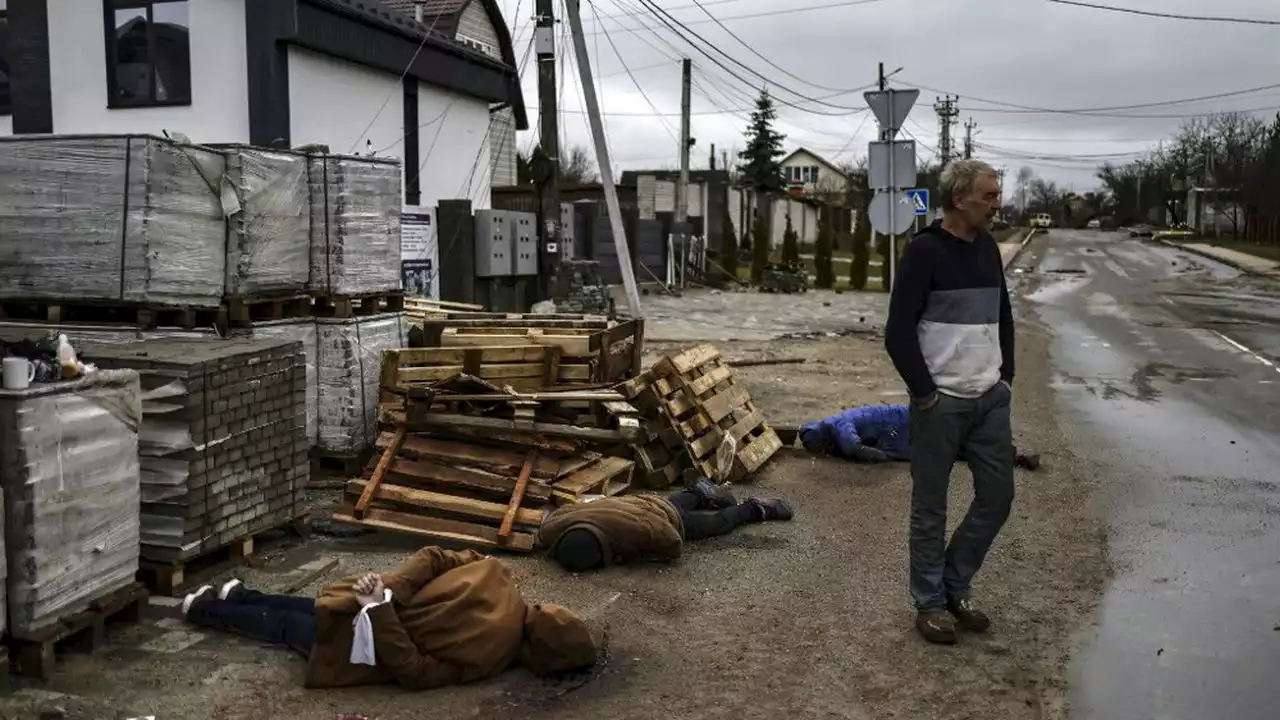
(959, 179)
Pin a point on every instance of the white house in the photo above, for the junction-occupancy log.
(478, 24)
(812, 172)
(351, 74)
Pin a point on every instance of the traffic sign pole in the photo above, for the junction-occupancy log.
(891, 108)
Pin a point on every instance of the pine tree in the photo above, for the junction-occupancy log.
(790, 244)
(729, 249)
(761, 172)
(822, 265)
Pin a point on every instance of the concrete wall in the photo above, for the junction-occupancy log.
(453, 147)
(219, 111)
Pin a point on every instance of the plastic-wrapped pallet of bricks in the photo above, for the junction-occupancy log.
(70, 472)
(269, 236)
(349, 365)
(133, 219)
(301, 330)
(223, 450)
(355, 224)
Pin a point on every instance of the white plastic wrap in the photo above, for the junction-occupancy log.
(303, 331)
(111, 218)
(349, 366)
(11, 331)
(69, 468)
(355, 225)
(268, 238)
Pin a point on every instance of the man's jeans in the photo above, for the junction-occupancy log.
(979, 428)
(277, 619)
(700, 523)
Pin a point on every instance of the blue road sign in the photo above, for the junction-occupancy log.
(919, 199)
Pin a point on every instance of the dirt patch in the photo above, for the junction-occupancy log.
(810, 619)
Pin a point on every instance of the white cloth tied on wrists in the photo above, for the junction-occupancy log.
(362, 645)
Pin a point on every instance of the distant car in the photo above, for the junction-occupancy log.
(1041, 221)
(1094, 224)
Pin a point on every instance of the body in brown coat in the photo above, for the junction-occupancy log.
(629, 528)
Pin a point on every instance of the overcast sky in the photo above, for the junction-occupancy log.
(1022, 52)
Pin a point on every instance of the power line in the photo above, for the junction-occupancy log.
(393, 93)
(1099, 111)
(1168, 16)
(666, 126)
(770, 13)
(671, 24)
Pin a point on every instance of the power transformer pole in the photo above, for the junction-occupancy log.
(682, 186)
(548, 176)
(947, 114)
(969, 127)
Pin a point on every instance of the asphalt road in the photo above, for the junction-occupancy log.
(1166, 367)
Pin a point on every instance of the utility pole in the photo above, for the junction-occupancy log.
(947, 114)
(545, 41)
(712, 157)
(682, 187)
(602, 157)
(968, 138)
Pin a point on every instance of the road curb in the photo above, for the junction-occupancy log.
(1022, 246)
(1219, 260)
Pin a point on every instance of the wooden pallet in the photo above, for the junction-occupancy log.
(37, 656)
(606, 476)
(140, 316)
(175, 578)
(704, 404)
(661, 456)
(351, 306)
(606, 354)
(243, 312)
(523, 368)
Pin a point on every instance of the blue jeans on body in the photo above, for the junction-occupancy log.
(276, 619)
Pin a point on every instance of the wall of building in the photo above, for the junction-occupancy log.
(453, 147)
(804, 217)
(219, 111)
(332, 101)
(475, 29)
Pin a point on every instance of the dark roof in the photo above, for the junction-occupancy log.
(377, 13)
(442, 18)
(696, 176)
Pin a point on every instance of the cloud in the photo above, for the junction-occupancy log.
(1022, 52)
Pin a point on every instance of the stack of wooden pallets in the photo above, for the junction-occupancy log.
(697, 418)
(478, 442)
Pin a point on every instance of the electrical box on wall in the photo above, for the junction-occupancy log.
(568, 246)
(524, 235)
(494, 257)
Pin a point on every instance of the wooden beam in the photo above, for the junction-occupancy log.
(513, 508)
(435, 528)
(430, 420)
(478, 509)
(438, 476)
(388, 455)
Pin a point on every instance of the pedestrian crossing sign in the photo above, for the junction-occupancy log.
(919, 200)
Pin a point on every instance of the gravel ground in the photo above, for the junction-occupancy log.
(810, 619)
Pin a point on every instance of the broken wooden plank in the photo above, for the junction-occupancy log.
(431, 420)
(435, 528)
(517, 495)
(767, 361)
(592, 477)
(448, 477)
(455, 452)
(758, 451)
(492, 512)
(388, 455)
(572, 345)
(683, 362)
(457, 356)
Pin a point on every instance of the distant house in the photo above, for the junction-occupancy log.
(350, 74)
(812, 173)
(478, 24)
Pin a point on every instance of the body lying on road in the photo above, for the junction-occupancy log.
(443, 618)
(637, 528)
(874, 433)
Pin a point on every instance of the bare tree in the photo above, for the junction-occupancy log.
(578, 167)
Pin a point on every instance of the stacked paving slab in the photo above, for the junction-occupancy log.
(579, 288)
(223, 441)
(70, 472)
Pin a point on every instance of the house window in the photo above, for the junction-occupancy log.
(148, 52)
(6, 105)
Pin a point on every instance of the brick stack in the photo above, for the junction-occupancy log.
(355, 225)
(223, 445)
(69, 467)
(348, 369)
(579, 288)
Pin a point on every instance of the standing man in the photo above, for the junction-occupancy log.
(950, 335)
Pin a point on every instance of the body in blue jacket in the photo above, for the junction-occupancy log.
(874, 433)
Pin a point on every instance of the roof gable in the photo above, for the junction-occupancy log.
(802, 152)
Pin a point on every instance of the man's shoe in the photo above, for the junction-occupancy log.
(969, 617)
(715, 497)
(771, 508)
(936, 626)
(205, 592)
(1030, 462)
(230, 589)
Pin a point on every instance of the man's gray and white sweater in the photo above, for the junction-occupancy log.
(950, 326)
